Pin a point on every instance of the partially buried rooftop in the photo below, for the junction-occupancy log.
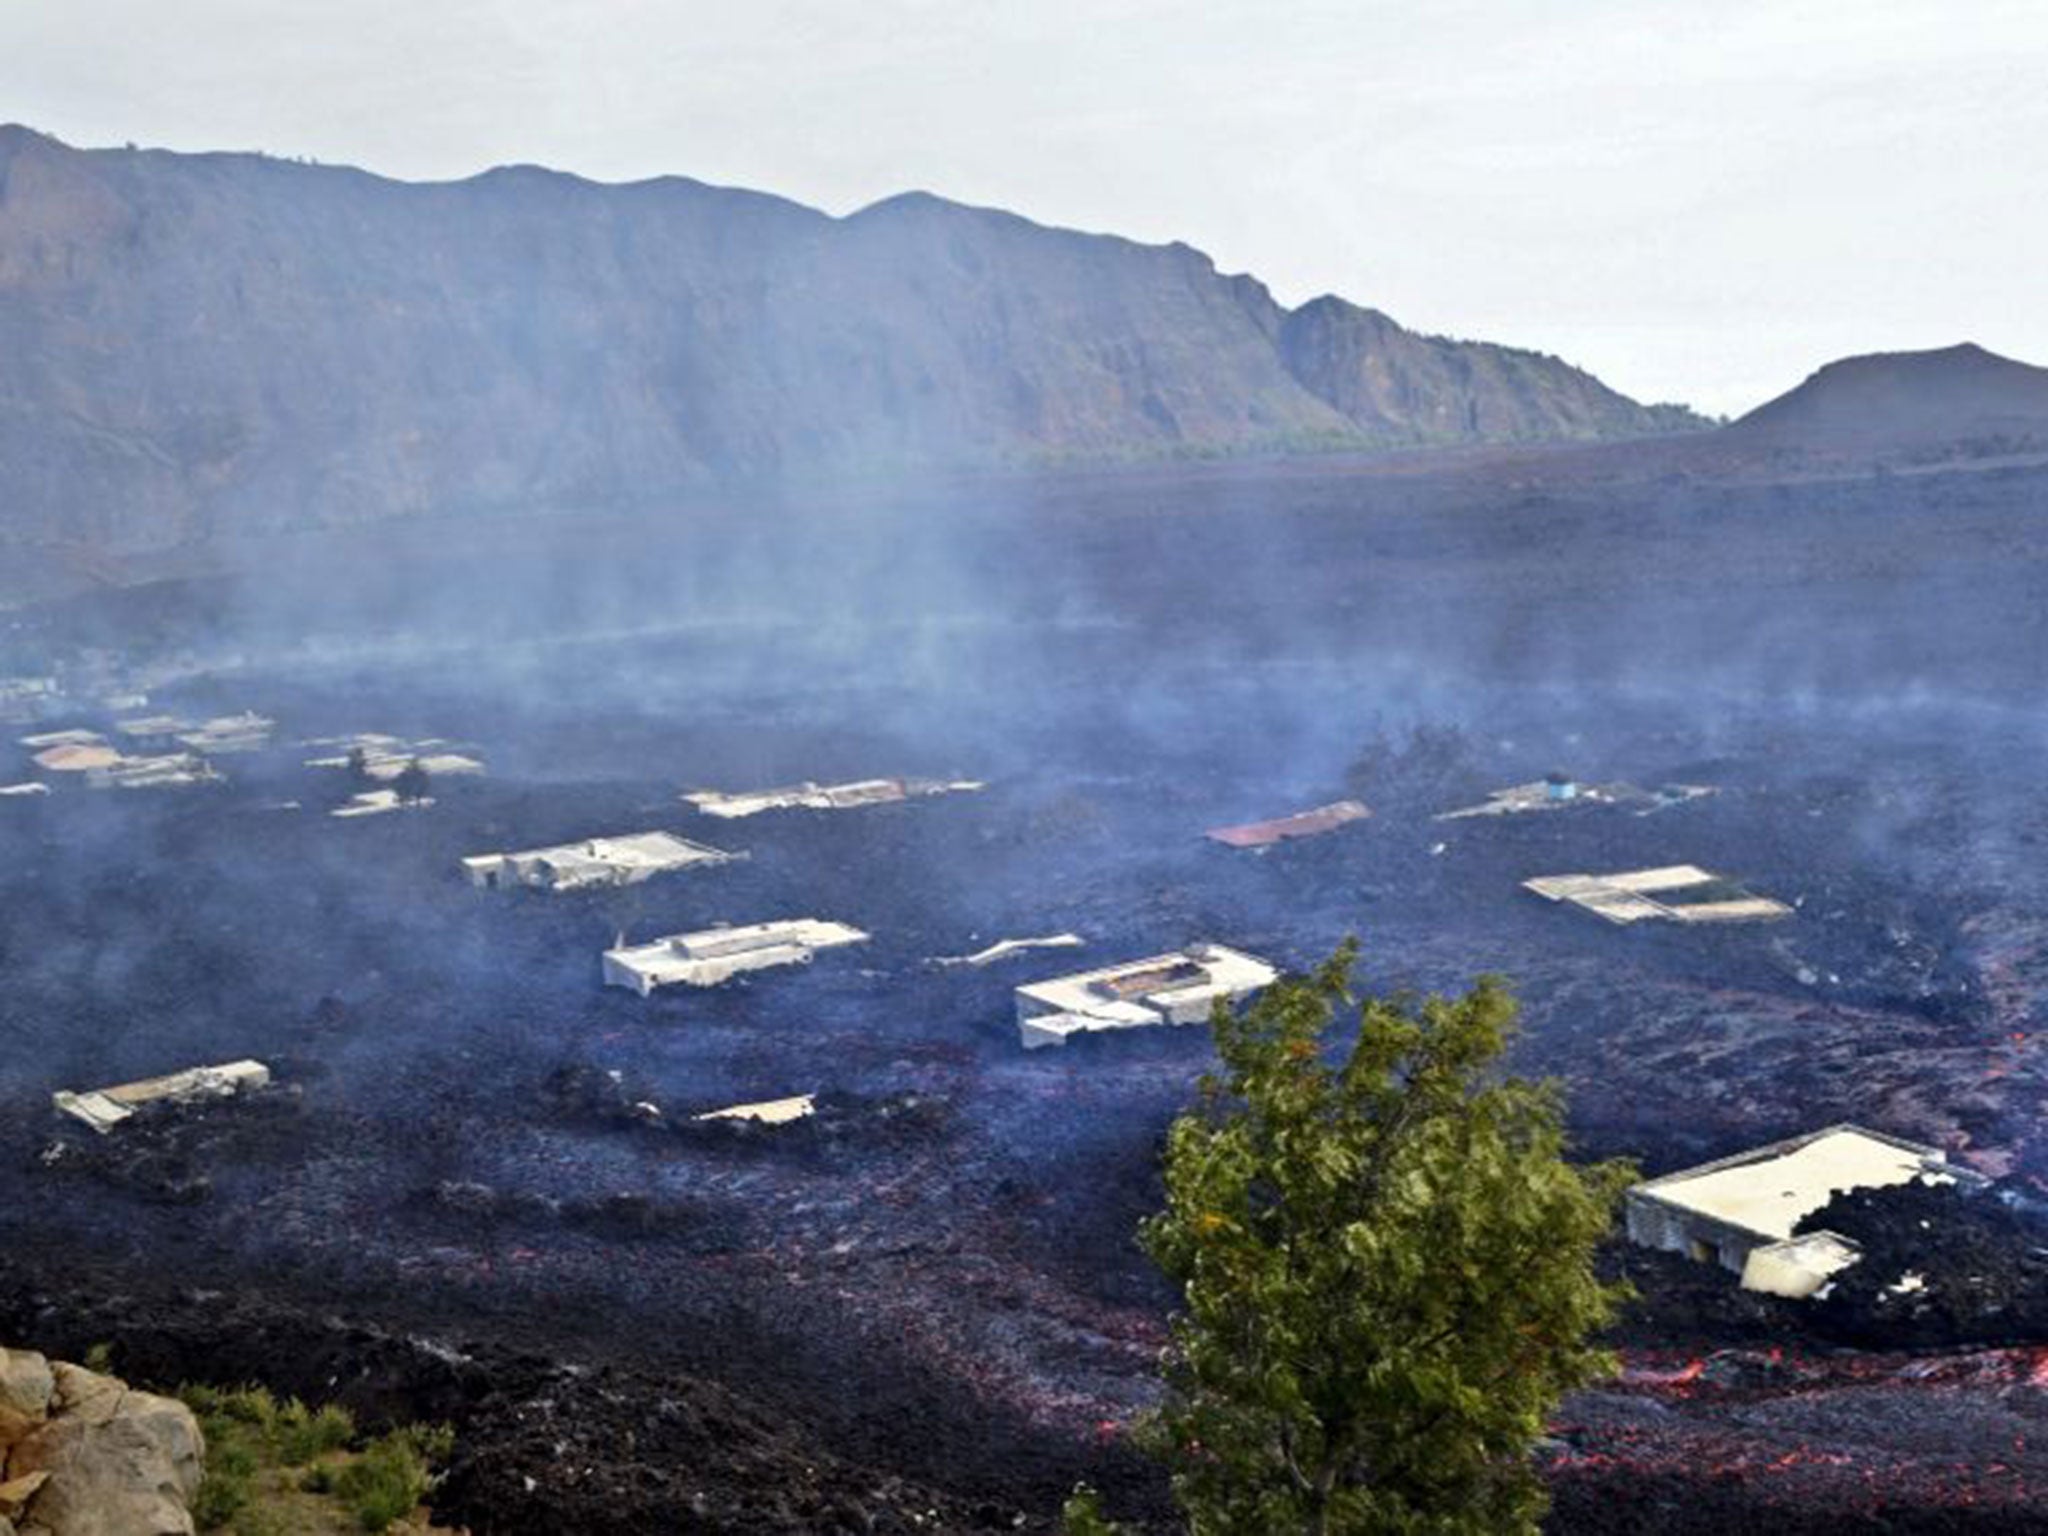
(1678, 893)
(105, 1108)
(710, 956)
(1312, 823)
(1561, 793)
(813, 796)
(379, 802)
(593, 863)
(1743, 1212)
(767, 1111)
(1176, 988)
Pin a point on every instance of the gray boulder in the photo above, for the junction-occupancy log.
(113, 1462)
(26, 1387)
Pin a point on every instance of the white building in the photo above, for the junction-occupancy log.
(171, 771)
(1740, 1212)
(246, 732)
(1677, 893)
(24, 698)
(813, 796)
(155, 730)
(437, 765)
(77, 757)
(105, 1108)
(76, 737)
(598, 861)
(768, 1111)
(1558, 793)
(1176, 988)
(713, 955)
(379, 802)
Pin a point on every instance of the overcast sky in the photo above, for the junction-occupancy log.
(1698, 201)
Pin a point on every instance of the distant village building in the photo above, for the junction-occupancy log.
(77, 757)
(103, 766)
(436, 765)
(379, 802)
(384, 758)
(714, 955)
(175, 770)
(246, 732)
(1178, 988)
(1559, 791)
(824, 797)
(768, 1111)
(154, 730)
(1678, 893)
(597, 861)
(75, 737)
(25, 698)
(1315, 823)
(1740, 1212)
(105, 1108)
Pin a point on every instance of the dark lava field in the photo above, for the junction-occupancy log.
(923, 1308)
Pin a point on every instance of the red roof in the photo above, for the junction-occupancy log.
(1324, 818)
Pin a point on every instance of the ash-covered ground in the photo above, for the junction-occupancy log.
(925, 1304)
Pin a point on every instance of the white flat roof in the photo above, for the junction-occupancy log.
(375, 802)
(632, 851)
(1204, 970)
(440, 765)
(1630, 896)
(768, 1111)
(71, 738)
(811, 795)
(105, 1108)
(1769, 1191)
(712, 955)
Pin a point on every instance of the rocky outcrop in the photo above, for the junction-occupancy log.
(198, 346)
(1399, 388)
(83, 1454)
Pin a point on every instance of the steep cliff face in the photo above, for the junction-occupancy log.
(1401, 388)
(198, 344)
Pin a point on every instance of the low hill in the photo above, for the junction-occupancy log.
(1958, 401)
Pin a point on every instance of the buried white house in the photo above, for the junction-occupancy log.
(1740, 1212)
(1672, 893)
(714, 955)
(1176, 988)
(813, 796)
(594, 862)
(105, 1108)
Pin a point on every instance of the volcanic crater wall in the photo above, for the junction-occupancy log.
(201, 344)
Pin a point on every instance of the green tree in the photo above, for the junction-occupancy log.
(1387, 1265)
(412, 782)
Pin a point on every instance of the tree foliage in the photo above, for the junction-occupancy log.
(413, 782)
(1387, 1265)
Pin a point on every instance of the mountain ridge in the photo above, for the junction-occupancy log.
(198, 345)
